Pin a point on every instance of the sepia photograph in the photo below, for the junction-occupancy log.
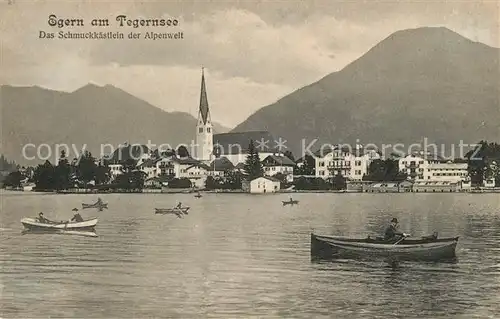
(250, 159)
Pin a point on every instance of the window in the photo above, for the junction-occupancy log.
(200, 130)
(208, 129)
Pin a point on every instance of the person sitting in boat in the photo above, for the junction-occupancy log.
(391, 232)
(42, 219)
(77, 218)
(179, 205)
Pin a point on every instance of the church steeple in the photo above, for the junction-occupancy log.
(204, 111)
(204, 133)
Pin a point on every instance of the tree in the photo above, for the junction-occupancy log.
(182, 151)
(62, 172)
(103, 174)
(13, 179)
(483, 162)
(44, 176)
(253, 166)
(384, 170)
(308, 166)
(86, 168)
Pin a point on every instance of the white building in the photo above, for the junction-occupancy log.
(261, 185)
(352, 164)
(204, 129)
(429, 167)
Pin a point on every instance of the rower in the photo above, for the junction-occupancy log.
(77, 218)
(392, 233)
(42, 219)
(179, 205)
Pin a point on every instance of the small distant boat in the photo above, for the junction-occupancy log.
(198, 195)
(34, 224)
(99, 205)
(428, 248)
(290, 202)
(179, 211)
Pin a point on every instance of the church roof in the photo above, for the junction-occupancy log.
(204, 110)
(237, 142)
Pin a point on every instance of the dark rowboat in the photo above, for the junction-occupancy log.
(181, 210)
(198, 195)
(428, 248)
(99, 205)
(290, 202)
(34, 225)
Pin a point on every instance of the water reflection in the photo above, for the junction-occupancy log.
(243, 256)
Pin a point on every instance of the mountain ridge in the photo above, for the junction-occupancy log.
(91, 115)
(408, 86)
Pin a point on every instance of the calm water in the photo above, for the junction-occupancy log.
(246, 256)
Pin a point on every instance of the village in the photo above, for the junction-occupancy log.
(244, 162)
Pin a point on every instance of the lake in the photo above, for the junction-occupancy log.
(243, 256)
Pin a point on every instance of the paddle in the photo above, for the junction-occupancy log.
(403, 237)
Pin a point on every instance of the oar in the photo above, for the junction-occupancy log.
(403, 237)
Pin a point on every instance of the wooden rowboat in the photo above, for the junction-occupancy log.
(96, 205)
(421, 249)
(290, 202)
(35, 225)
(175, 210)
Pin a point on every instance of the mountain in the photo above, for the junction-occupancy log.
(419, 83)
(92, 115)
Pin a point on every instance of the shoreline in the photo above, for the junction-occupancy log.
(189, 191)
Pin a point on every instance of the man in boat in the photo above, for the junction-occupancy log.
(42, 219)
(392, 233)
(77, 218)
(179, 205)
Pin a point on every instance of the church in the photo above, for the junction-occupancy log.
(234, 145)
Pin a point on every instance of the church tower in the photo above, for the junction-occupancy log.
(204, 130)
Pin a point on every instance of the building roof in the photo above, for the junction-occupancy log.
(221, 164)
(238, 142)
(124, 153)
(427, 156)
(281, 160)
(200, 165)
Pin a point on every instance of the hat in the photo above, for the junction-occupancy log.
(394, 220)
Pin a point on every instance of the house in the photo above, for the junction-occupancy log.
(352, 164)
(278, 164)
(261, 185)
(428, 167)
(148, 167)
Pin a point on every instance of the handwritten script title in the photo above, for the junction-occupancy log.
(122, 21)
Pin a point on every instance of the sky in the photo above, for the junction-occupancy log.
(253, 52)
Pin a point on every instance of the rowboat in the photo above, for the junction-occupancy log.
(96, 205)
(99, 204)
(62, 232)
(290, 202)
(34, 224)
(175, 210)
(428, 248)
(198, 195)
